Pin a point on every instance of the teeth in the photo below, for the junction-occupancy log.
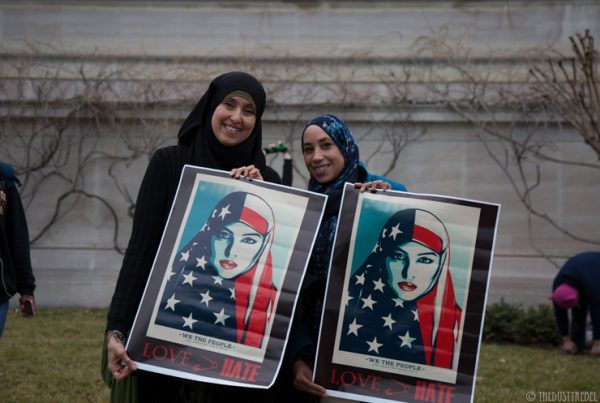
(320, 170)
(231, 129)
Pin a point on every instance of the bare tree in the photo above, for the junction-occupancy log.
(570, 87)
(55, 113)
(512, 114)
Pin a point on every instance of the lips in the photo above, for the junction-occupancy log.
(227, 264)
(406, 286)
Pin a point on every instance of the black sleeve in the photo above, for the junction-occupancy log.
(151, 210)
(18, 239)
(270, 175)
(287, 176)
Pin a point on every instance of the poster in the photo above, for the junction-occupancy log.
(406, 297)
(223, 285)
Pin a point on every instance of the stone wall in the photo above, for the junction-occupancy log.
(375, 64)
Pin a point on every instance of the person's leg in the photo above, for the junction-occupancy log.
(3, 314)
(595, 317)
(578, 325)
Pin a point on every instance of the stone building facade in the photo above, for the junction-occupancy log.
(426, 87)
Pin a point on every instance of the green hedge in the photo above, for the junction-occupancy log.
(511, 323)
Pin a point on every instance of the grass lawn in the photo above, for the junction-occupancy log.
(55, 357)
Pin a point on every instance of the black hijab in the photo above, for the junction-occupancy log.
(196, 131)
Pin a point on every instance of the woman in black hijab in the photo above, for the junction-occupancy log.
(224, 132)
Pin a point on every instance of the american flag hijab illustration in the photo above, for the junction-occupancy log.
(201, 297)
(379, 320)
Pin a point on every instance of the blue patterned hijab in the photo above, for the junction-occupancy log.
(8, 175)
(341, 135)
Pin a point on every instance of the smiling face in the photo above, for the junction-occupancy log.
(322, 157)
(413, 269)
(233, 120)
(236, 248)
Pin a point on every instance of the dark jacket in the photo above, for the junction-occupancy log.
(15, 263)
(581, 271)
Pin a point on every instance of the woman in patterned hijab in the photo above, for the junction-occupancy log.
(332, 158)
(405, 281)
(222, 282)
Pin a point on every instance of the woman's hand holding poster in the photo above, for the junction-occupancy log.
(223, 286)
(405, 297)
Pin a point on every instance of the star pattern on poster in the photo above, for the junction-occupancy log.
(171, 302)
(407, 340)
(391, 322)
(353, 328)
(203, 303)
(379, 285)
(201, 262)
(189, 278)
(224, 212)
(388, 321)
(221, 317)
(394, 231)
(189, 321)
(368, 302)
(206, 298)
(374, 345)
(185, 256)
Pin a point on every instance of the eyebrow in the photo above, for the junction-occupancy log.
(320, 141)
(252, 234)
(239, 100)
(399, 249)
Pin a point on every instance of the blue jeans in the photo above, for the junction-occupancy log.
(3, 313)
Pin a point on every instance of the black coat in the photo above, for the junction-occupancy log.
(15, 262)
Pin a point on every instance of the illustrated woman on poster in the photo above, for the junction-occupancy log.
(401, 301)
(221, 282)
